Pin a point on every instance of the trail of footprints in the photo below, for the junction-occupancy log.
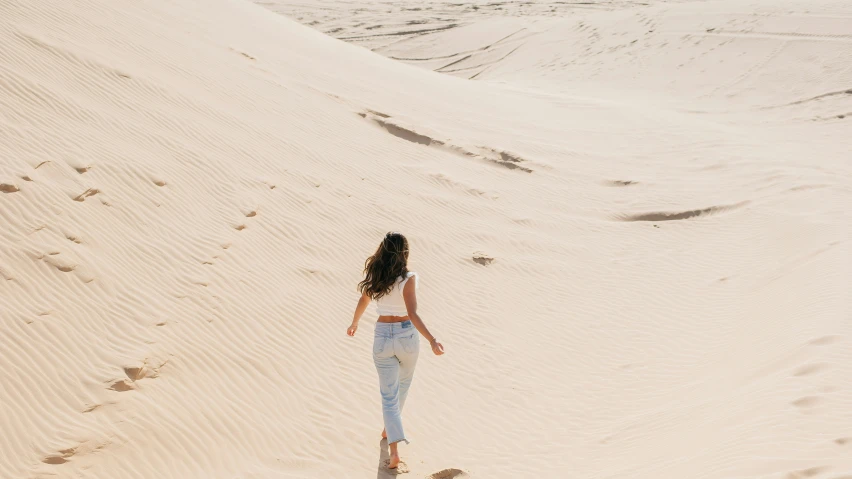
(63, 260)
(132, 376)
(811, 403)
(248, 214)
(60, 257)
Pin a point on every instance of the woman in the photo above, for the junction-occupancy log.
(395, 343)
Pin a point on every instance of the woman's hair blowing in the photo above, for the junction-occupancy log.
(389, 262)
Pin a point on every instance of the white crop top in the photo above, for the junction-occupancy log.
(393, 304)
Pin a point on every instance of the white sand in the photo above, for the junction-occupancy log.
(188, 191)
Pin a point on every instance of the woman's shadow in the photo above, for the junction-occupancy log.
(384, 456)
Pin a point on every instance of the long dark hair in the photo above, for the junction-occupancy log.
(389, 262)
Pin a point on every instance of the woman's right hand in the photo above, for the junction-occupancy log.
(437, 347)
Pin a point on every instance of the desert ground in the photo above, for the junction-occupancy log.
(630, 220)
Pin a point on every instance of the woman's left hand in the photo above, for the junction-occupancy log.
(352, 329)
(437, 347)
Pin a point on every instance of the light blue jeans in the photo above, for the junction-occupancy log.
(395, 350)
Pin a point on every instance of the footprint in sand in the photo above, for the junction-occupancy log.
(808, 402)
(449, 474)
(482, 258)
(61, 458)
(824, 340)
(122, 385)
(9, 188)
(89, 192)
(809, 472)
(402, 468)
(809, 369)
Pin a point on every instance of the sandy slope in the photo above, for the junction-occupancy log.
(188, 190)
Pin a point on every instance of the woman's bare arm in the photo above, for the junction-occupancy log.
(409, 294)
(363, 302)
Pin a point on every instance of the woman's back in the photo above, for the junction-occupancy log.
(393, 303)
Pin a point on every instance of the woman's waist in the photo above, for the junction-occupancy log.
(386, 318)
(394, 328)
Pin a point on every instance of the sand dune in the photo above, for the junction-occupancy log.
(719, 54)
(638, 269)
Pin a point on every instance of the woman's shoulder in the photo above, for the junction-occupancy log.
(408, 276)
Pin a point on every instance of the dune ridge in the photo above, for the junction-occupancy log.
(189, 189)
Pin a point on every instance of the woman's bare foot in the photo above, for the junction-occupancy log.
(393, 462)
(384, 434)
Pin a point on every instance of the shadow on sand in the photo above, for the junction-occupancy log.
(382, 470)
